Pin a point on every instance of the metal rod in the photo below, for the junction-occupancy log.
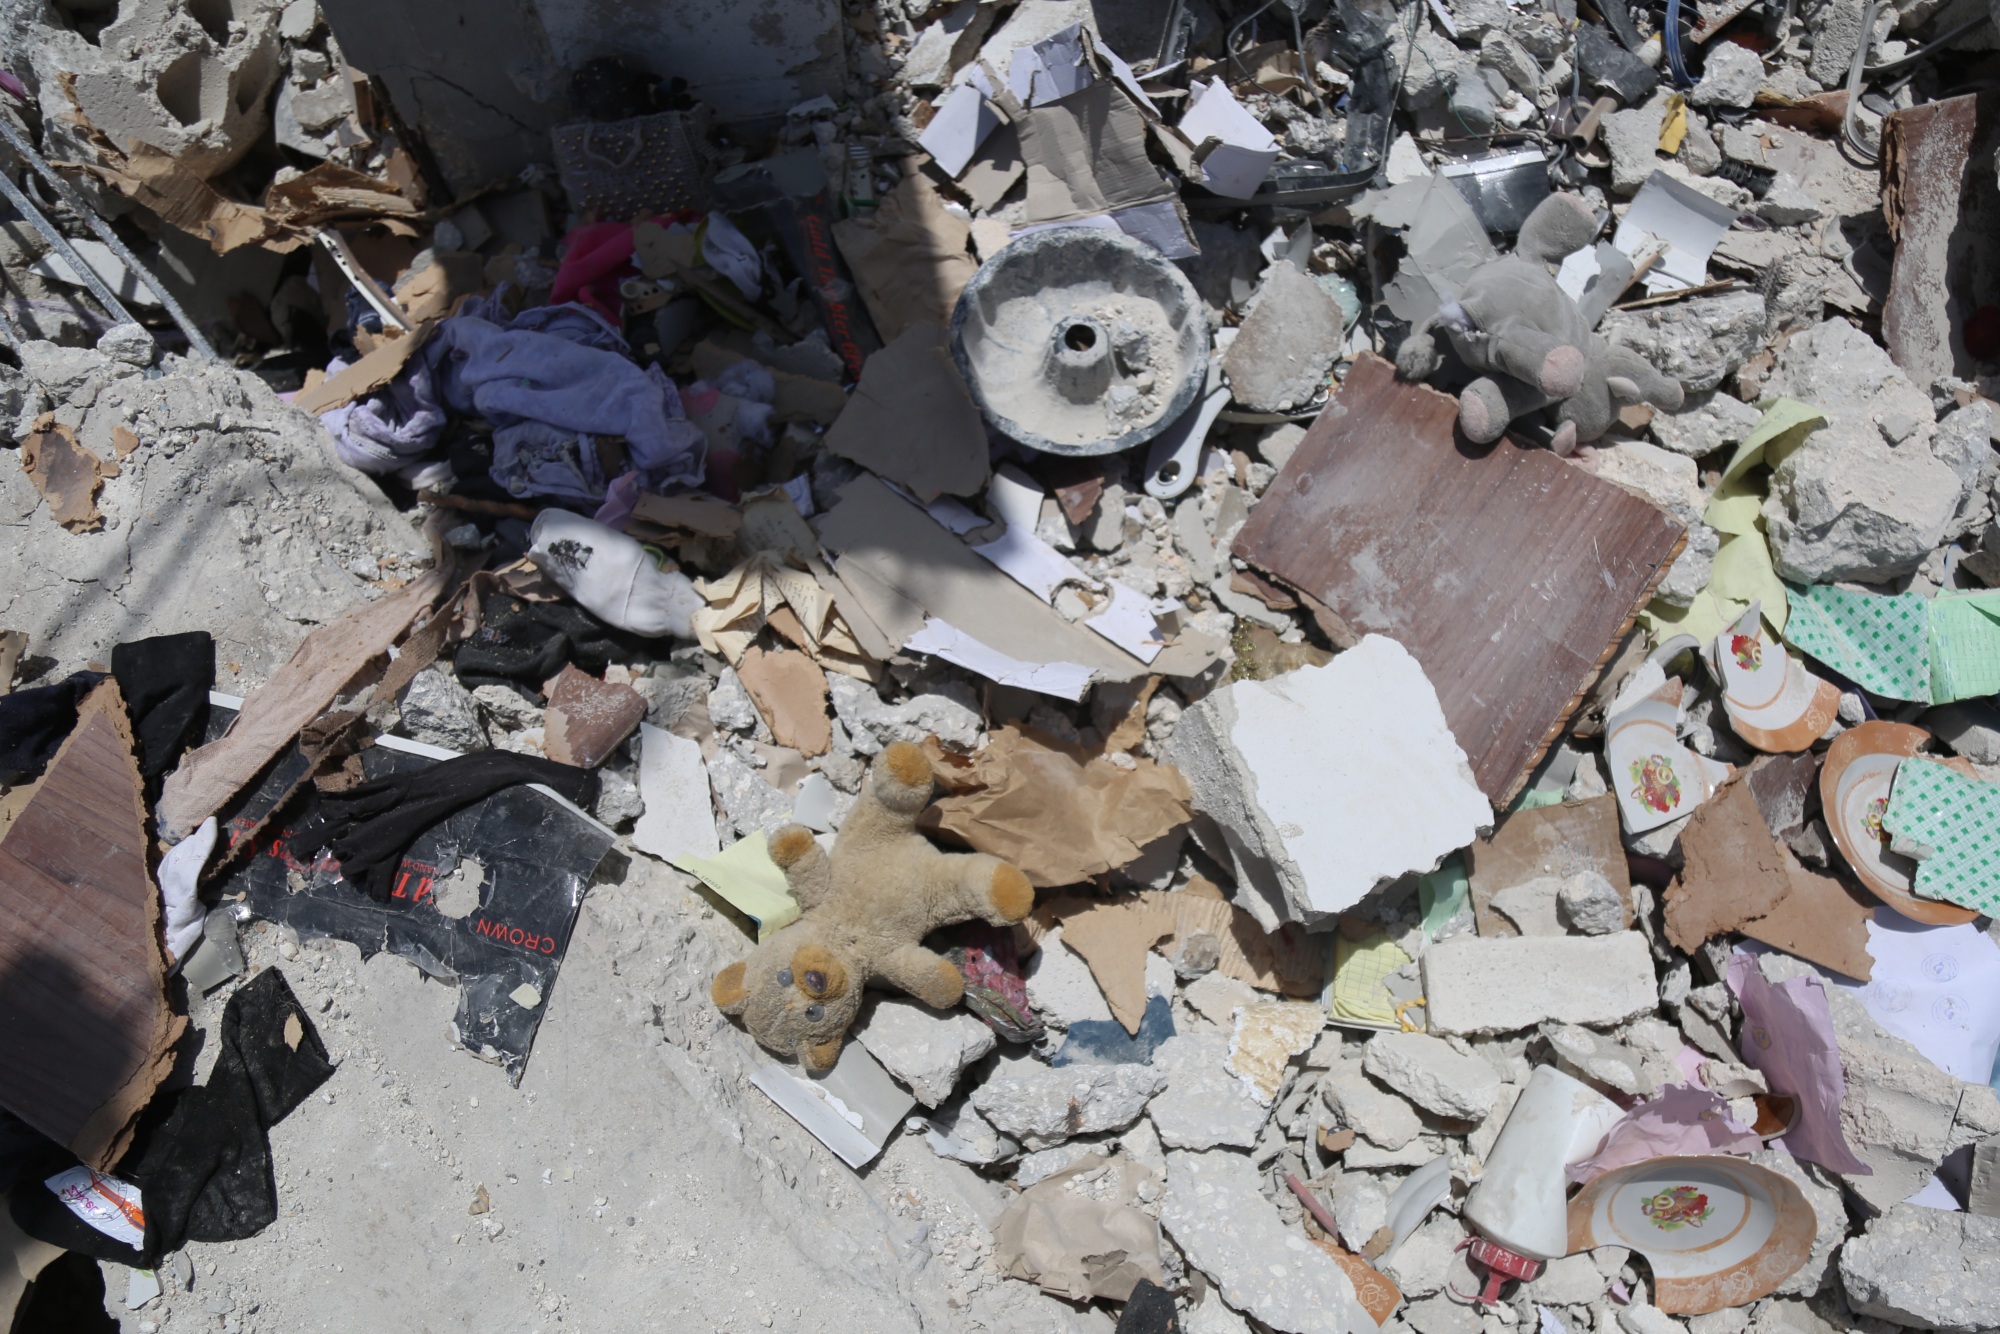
(60, 243)
(110, 238)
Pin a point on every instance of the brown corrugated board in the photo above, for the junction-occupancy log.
(1547, 841)
(85, 1031)
(1507, 572)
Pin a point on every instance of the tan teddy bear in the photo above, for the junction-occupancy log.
(867, 908)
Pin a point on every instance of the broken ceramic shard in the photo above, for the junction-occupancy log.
(1774, 703)
(1313, 828)
(1075, 340)
(1658, 779)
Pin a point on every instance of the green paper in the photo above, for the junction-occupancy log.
(1740, 576)
(1786, 424)
(1952, 823)
(1932, 651)
(749, 881)
(1443, 893)
(1965, 646)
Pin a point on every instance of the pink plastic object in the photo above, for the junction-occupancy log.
(1501, 1265)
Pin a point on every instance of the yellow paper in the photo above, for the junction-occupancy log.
(1741, 575)
(1786, 424)
(1675, 127)
(749, 881)
(1358, 992)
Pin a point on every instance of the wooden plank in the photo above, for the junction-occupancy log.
(85, 1031)
(1507, 572)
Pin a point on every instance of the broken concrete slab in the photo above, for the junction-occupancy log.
(1280, 356)
(1216, 1214)
(1043, 1105)
(1371, 1111)
(1433, 1074)
(912, 421)
(1531, 906)
(1706, 422)
(1700, 341)
(1313, 830)
(1475, 985)
(924, 1049)
(1266, 1038)
(1203, 1104)
(1367, 536)
(1928, 1268)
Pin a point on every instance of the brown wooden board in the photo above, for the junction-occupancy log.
(1940, 199)
(85, 1032)
(1507, 572)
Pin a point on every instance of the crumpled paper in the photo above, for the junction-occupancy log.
(1680, 1119)
(763, 591)
(1077, 1234)
(1062, 813)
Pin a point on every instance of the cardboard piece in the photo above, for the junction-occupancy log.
(1547, 841)
(853, 1108)
(88, 1034)
(1112, 936)
(149, 176)
(695, 512)
(673, 782)
(13, 643)
(1951, 825)
(1086, 155)
(791, 694)
(1058, 811)
(1065, 680)
(910, 260)
(1689, 222)
(1076, 1245)
(363, 377)
(1234, 150)
(298, 692)
(587, 717)
(904, 565)
(766, 591)
(1773, 702)
(68, 476)
(749, 881)
(1395, 497)
(911, 419)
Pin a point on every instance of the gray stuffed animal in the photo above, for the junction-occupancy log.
(1533, 345)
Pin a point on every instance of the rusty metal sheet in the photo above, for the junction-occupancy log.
(85, 1031)
(1507, 572)
(1943, 209)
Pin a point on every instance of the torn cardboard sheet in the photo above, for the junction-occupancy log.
(1951, 825)
(1906, 646)
(748, 881)
(1234, 150)
(911, 419)
(1657, 778)
(853, 1108)
(1086, 155)
(68, 476)
(88, 1033)
(1788, 1034)
(1081, 1239)
(298, 692)
(1690, 223)
(587, 717)
(694, 512)
(1773, 702)
(1737, 877)
(673, 782)
(1113, 937)
(910, 260)
(1394, 499)
(1329, 781)
(1058, 811)
(363, 377)
(791, 694)
(1065, 680)
(1854, 789)
(905, 565)
(1547, 842)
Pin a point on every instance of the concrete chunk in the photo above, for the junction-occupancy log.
(925, 1049)
(439, 711)
(1432, 1074)
(1281, 354)
(1044, 1105)
(1203, 1104)
(1374, 1114)
(1228, 1230)
(1383, 788)
(1476, 985)
(1928, 1268)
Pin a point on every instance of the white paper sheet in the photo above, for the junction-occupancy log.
(1937, 988)
(1065, 680)
(1239, 164)
(1689, 222)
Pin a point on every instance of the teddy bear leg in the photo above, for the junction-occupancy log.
(808, 870)
(975, 884)
(1590, 411)
(1542, 360)
(925, 974)
(1482, 411)
(1662, 391)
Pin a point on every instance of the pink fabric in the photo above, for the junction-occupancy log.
(595, 260)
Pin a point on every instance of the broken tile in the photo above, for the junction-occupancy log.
(1228, 1230)
(1394, 499)
(1314, 829)
(1203, 1105)
(1434, 1075)
(587, 718)
(1501, 986)
(1266, 1038)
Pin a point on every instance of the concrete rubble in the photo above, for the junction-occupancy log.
(1263, 1050)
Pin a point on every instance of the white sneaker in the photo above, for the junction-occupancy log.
(612, 576)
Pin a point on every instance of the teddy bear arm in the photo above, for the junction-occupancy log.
(924, 973)
(1662, 391)
(976, 884)
(808, 869)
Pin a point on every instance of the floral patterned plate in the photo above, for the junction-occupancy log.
(1853, 790)
(1717, 1230)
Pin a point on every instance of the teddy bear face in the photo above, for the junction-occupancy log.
(796, 998)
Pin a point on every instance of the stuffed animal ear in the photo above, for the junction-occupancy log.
(728, 991)
(820, 1055)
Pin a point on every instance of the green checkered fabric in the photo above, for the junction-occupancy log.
(1957, 819)
(1882, 644)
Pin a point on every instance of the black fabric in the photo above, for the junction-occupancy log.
(34, 723)
(525, 643)
(66, 1298)
(165, 681)
(370, 827)
(205, 1173)
(1149, 1310)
